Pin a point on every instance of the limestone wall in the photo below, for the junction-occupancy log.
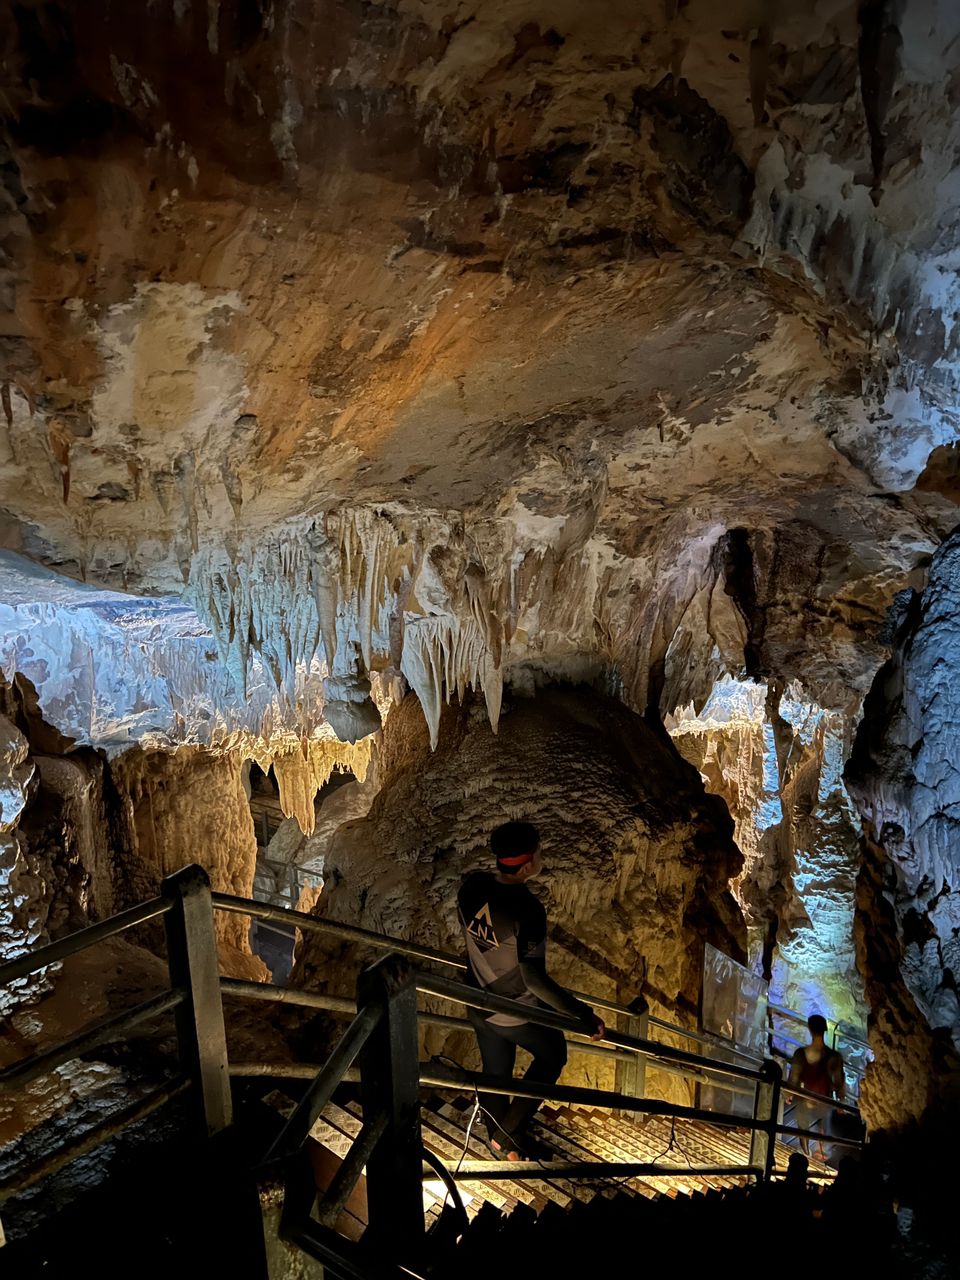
(905, 778)
(638, 856)
(190, 806)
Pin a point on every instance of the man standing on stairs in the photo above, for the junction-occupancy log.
(505, 931)
(817, 1069)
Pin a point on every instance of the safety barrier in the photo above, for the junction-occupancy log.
(382, 1038)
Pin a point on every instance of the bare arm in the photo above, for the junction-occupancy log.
(539, 982)
(796, 1070)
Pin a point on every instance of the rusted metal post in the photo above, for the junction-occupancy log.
(390, 1087)
(631, 1076)
(192, 957)
(766, 1108)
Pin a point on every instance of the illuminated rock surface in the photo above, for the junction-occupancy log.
(638, 856)
(464, 341)
(776, 760)
(904, 774)
(356, 349)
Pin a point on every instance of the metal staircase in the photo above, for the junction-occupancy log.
(380, 1171)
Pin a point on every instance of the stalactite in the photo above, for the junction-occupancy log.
(302, 771)
(879, 56)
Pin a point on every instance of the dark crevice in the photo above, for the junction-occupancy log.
(736, 564)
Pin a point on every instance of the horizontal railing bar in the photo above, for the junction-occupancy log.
(792, 1016)
(703, 1037)
(73, 942)
(439, 1077)
(94, 1138)
(506, 1169)
(435, 1077)
(287, 1071)
(432, 984)
(811, 1174)
(39, 1064)
(287, 995)
(382, 941)
(629, 1056)
(349, 1170)
(347, 1007)
(833, 1103)
(295, 1131)
(818, 1136)
(335, 928)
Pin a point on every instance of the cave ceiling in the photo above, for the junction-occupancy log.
(480, 339)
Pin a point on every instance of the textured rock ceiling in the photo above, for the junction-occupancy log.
(500, 337)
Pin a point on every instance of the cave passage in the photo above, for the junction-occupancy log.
(419, 416)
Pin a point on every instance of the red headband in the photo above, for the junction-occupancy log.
(517, 860)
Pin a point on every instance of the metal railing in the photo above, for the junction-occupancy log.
(383, 1036)
(379, 1049)
(635, 1014)
(193, 997)
(390, 1075)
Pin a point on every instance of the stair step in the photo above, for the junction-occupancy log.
(578, 1132)
(569, 1189)
(534, 1192)
(634, 1146)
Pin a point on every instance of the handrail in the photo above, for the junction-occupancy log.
(269, 992)
(336, 929)
(434, 985)
(194, 995)
(704, 1037)
(295, 1132)
(344, 1006)
(38, 1064)
(492, 1170)
(386, 942)
(437, 1077)
(793, 1016)
(440, 1077)
(73, 942)
(385, 992)
(835, 1103)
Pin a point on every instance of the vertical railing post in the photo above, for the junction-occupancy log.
(192, 957)
(766, 1108)
(390, 1085)
(631, 1077)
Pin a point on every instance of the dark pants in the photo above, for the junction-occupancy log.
(498, 1053)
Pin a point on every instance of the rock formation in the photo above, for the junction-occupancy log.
(468, 344)
(638, 857)
(776, 760)
(478, 350)
(904, 776)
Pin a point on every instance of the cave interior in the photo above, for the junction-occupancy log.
(424, 414)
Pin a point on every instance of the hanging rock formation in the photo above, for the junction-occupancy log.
(457, 344)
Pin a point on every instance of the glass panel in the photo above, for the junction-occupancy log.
(734, 1008)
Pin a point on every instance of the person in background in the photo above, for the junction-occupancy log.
(505, 934)
(817, 1069)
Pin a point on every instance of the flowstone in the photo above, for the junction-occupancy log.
(638, 856)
